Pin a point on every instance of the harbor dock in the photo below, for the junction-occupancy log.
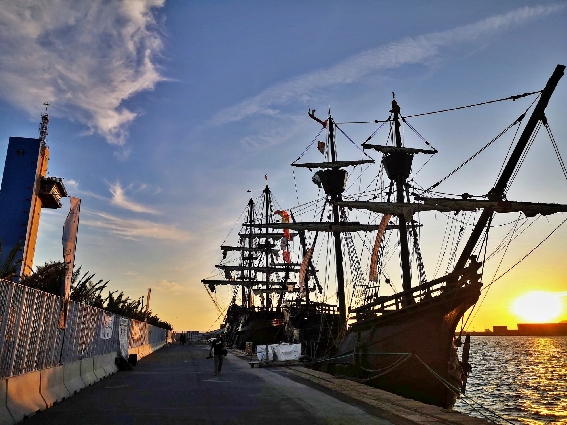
(176, 385)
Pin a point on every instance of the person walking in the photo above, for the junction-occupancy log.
(218, 351)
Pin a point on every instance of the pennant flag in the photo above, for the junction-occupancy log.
(286, 235)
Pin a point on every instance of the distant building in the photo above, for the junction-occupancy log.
(542, 329)
(24, 192)
(526, 329)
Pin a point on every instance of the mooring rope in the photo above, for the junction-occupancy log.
(458, 392)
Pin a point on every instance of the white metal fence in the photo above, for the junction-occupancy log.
(30, 338)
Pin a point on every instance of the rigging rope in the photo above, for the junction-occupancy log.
(519, 96)
(529, 253)
(309, 146)
(555, 148)
(376, 131)
(514, 98)
(481, 275)
(524, 154)
(518, 120)
(417, 132)
(419, 258)
(457, 391)
(352, 141)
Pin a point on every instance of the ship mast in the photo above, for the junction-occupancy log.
(336, 196)
(267, 299)
(400, 180)
(245, 295)
(498, 192)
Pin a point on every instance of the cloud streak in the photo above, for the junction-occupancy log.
(409, 50)
(86, 58)
(134, 229)
(120, 199)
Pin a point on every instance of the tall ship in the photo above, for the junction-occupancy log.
(268, 304)
(398, 333)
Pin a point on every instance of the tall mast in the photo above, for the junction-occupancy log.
(245, 297)
(266, 212)
(498, 192)
(400, 179)
(336, 197)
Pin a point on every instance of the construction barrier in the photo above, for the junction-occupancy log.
(72, 377)
(23, 396)
(52, 385)
(109, 363)
(5, 415)
(98, 367)
(87, 371)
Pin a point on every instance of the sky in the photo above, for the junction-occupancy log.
(164, 114)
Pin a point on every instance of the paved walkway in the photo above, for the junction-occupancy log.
(176, 385)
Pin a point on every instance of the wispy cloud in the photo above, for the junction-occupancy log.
(85, 57)
(133, 229)
(409, 50)
(167, 286)
(120, 199)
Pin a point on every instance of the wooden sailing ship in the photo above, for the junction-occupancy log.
(404, 342)
(272, 307)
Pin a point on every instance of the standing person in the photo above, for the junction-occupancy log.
(217, 349)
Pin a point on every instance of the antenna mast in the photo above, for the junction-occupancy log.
(43, 125)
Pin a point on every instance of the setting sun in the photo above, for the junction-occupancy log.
(538, 307)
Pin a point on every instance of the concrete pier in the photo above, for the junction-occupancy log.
(176, 385)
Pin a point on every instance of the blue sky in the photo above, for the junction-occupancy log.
(164, 113)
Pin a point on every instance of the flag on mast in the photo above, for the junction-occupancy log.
(70, 229)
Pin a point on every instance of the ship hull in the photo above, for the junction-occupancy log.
(260, 328)
(407, 351)
(316, 327)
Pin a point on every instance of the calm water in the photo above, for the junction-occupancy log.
(522, 379)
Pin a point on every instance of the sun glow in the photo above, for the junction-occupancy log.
(538, 307)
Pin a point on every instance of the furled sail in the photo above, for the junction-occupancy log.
(373, 276)
(395, 149)
(334, 164)
(303, 268)
(321, 226)
(530, 209)
(261, 269)
(394, 208)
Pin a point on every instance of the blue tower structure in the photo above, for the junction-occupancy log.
(25, 190)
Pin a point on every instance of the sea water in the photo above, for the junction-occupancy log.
(522, 380)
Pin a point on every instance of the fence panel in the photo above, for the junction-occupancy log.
(30, 338)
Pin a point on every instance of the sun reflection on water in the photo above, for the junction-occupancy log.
(522, 379)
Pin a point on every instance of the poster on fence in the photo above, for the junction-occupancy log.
(106, 326)
(123, 334)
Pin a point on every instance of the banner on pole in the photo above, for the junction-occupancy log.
(70, 229)
(148, 304)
